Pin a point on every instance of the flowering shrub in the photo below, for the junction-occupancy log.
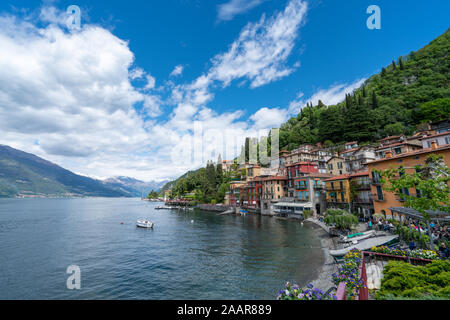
(417, 253)
(294, 292)
(424, 254)
(349, 273)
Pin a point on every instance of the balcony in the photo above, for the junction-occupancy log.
(363, 200)
(363, 185)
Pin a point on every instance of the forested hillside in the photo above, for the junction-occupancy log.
(412, 90)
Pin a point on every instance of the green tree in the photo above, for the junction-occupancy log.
(431, 183)
(435, 110)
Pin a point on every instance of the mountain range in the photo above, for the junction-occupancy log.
(26, 175)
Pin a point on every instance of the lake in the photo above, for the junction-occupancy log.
(188, 255)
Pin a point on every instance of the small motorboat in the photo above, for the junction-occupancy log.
(357, 236)
(145, 224)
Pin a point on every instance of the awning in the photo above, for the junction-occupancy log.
(412, 213)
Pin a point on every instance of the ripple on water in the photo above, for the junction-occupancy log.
(216, 257)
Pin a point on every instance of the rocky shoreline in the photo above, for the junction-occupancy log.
(324, 278)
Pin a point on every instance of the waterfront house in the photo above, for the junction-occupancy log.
(232, 197)
(296, 170)
(384, 200)
(311, 189)
(338, 192)
(361, 194)
(251, 194)
(274, 188)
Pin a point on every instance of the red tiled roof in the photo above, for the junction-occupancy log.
(350, 150)
(353, 142)
(359, 174)
(299, 163)
(435, 135)
(341, 177)
(318, 175)
(398, 144)
(272, 178)
(413, 153)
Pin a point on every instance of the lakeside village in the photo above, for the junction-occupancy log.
(384, 205)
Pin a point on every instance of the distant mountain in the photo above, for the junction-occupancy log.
(24, 174)
(133, 186)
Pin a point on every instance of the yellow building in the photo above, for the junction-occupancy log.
(338, 192)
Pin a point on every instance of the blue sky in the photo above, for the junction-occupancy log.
(326, 51)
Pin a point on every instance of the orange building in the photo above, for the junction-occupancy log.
(383, 200)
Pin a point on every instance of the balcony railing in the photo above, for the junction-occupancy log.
(362, 200)
(363, 185)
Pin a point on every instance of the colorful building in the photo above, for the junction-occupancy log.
(296, 170)
(274, 189)
(361, 194)
(338, 192)
(384, 200)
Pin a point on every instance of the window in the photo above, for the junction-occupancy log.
(341, 184)
(330, 166)
(447, 140)
(342, 197)
(379, 193)
(339, 165)
(405, 191)
(317, 194)
(332, 185)
(419, 193)
(376, 177)
(398, 150)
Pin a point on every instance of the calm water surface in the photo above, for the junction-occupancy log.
(211, 257)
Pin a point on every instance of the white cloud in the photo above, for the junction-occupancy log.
(331, 96)
(68, 97)
(267, 118)
(228, 10)
(178, 70)
(150, 82)
(262, 49)
(70, 93)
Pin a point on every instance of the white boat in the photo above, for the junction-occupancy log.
(358, 236)
(365, 245)
(145, 224)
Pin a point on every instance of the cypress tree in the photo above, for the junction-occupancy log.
(400, 62)
(374, 100)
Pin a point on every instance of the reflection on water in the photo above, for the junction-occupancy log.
(211, 257)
